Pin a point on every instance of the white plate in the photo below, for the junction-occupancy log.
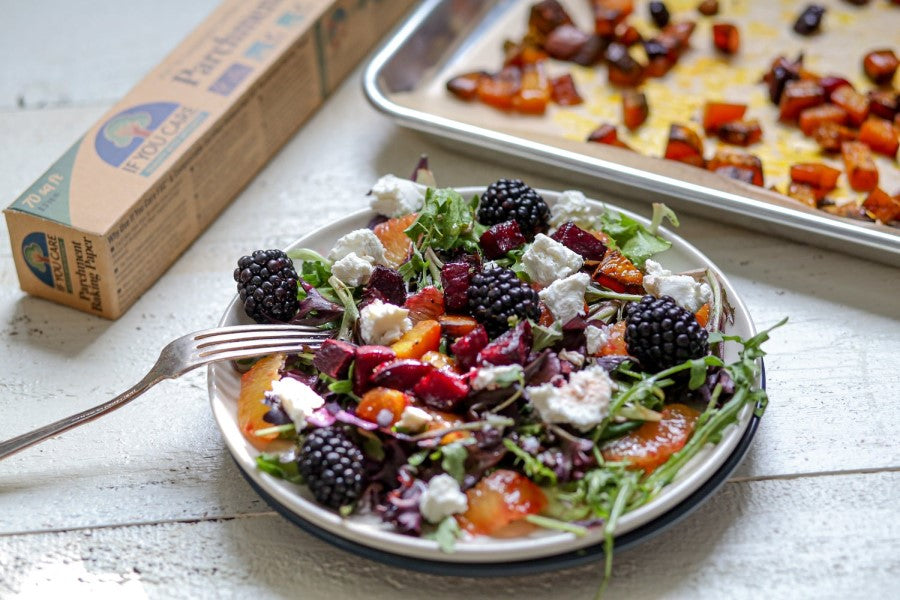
(224, 385)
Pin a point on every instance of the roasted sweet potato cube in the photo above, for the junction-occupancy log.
(740, 133)
(879, 135)
(880, 65)
(859, 166)
(499, 89)
(717, 113)
(522, 55)
(726, 38)
(804, 193)
(830, 136)
(830, 83)
(737, 158)
(607, 134)
(684, 145)
(608, 14)
(465, 86)
(812, 118)
(817, 175)
(799, 95)
(634, 109)
(882, 207)
(534, 92)
(564, 92)
(623, 69)
(856, 105)
(884, 103)
(680, 32)
(849, 210)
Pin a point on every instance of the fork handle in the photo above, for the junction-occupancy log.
(11, 446)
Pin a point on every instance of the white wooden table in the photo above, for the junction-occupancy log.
(147, 501)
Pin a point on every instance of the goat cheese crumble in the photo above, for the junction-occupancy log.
(546, 260)
(565, 297)
(442, 498)
(363, 242)
(596, 338)
(494, 377)
(582, 402)
(395, 197)
(297, 399)
(573, 206)
(353, 269)
(685, 290)
(382, 324)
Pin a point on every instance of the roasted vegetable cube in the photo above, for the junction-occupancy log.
(624, 70)
(799, 95)
(809, 20)
(859, 166)
(684, 145)
(740, 133)
(726, 38)
(856, 105)
(534, 92)
(498, 90)
(781, 71)
(812, 118)
(804, 193)
(634, 109)
(879, 205)
(879, 135)
(741, 160)
(708, 7)
(830, 136)
(465, 86)
(716, 114)
(817, 175)
(563, 91)
(607, 134)
(884, 103)
(880, 65)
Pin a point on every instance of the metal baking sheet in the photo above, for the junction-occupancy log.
(442, 38)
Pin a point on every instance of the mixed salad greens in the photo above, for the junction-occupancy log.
(494, 378)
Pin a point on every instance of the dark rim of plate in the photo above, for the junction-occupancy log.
(537, 565)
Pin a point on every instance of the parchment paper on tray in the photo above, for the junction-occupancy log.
(701, 74)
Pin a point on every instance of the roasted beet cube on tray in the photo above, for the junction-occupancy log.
(634, 109)
(726, 38)
(880, 65)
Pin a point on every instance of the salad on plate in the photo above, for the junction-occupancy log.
(499, 366)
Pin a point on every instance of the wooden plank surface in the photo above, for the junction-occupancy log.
(148, 502)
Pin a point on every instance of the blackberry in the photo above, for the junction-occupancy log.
(508, 199)
(495, 294)
(267, 283)
(661, 334)
(332, 466)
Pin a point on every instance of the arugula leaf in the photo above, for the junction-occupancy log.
(631, 238)
(314, 268)
(454, 460)
(446, 534)
(271, 464)
(534, 468)
(446, 221)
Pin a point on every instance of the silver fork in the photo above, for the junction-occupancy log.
(180, 356)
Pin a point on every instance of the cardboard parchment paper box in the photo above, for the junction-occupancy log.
(116, 210)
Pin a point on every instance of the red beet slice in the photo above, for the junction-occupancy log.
(578, 240)
(367, 358)
(501, 238)
(455, 278)
(511, 347)
(334, 357)
(389, 283)
(466, 348)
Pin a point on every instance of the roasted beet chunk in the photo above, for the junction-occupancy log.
(334, 358)
(389, 283)
(511, 347)
(455, 278)
(578, 240)
(501, 238)
(367, 358)
(441, 390)
(809, 20)
(466, 348)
